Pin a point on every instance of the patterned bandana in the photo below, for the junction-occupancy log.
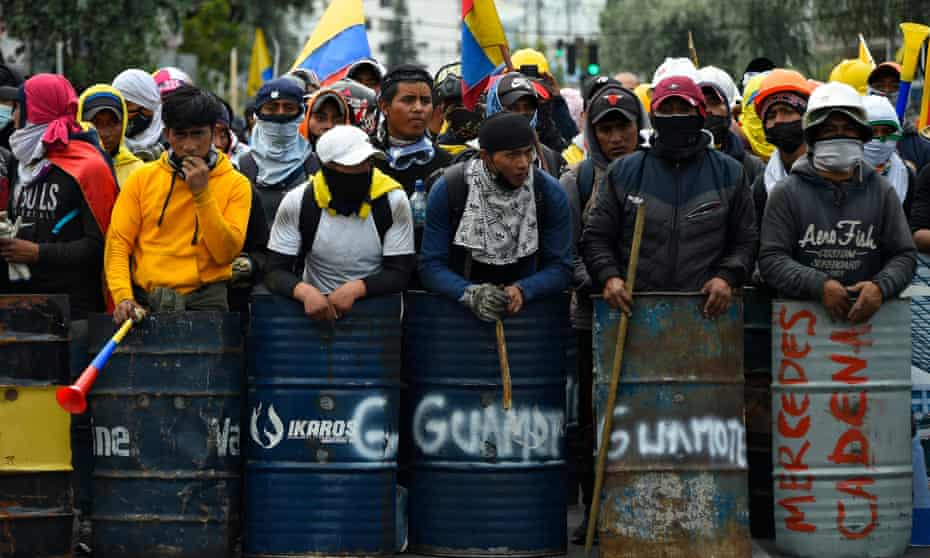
(499, 224)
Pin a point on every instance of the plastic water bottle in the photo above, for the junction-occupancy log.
(418, 204)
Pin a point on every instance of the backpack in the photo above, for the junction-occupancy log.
(310, 214)
(457, 192)
(585, 182)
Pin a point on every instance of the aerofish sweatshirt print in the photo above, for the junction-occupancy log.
(815, 230)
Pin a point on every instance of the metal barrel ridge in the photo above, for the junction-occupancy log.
(842, 445)
(323, 399)
(484, 481)
(36, 491)
(920, 315)
(166, 437)
(757, 364)
(676, 481)
(573, 435)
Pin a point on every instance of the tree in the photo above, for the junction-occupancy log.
(400, 47)
(101, 37)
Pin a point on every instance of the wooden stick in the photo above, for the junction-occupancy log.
(615, 376)
(505, 366)
(692, 50)
(505, 54)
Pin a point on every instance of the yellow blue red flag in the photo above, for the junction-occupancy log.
(483, 46)
(339, 40)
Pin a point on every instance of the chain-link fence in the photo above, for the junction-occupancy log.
(920, 316)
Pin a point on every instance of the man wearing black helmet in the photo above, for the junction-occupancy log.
(363, 104)
(458, 125)
(406, 102)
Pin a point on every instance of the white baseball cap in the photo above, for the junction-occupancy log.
(346, 145)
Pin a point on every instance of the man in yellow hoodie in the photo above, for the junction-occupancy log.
(103, 106)
(179, 221)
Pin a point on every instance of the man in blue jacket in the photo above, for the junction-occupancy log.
(498, 230)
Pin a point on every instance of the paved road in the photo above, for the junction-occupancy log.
(760, 548)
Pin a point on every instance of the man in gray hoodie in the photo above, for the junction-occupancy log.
(834, 229)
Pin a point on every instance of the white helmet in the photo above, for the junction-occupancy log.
(675, 67)
(711, 76)
(836, 97)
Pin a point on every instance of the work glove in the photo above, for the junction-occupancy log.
(488, 302)
(8, 229)
(241, 272)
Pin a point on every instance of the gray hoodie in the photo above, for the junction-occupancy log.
(814, 230)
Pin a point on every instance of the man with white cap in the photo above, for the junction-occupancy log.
(881, 152)
(144, 125)
(720, 95)
(344, 235)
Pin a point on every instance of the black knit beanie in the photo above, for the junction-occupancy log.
(505, 131)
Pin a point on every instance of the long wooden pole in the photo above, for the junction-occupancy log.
(505, 366)
(615, 378)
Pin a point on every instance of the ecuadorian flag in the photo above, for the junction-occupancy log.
(483, 47)
(338, 40)
(261, 68)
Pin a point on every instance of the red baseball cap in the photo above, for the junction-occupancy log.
(682, 87)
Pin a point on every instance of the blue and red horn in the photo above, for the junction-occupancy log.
(73, 398)
(914, 36)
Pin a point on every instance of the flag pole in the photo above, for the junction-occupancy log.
(277, 53)
(234, 78)
(505, 54)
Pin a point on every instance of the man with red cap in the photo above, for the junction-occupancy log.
(700, 229)
(63, 195)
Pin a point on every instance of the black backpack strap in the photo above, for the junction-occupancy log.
(382, 214)
(308, 223)
(248, 167)
(585, 182)
(457, 192)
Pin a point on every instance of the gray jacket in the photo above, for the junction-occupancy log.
(814, 230)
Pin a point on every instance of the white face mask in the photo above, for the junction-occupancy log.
(6, 114)
(837, 155)
(878, 152)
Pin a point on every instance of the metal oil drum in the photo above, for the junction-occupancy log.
(841, 432)
(485, 481)
(166, 437)
(321, 455)
(36, 490)
(676, 477)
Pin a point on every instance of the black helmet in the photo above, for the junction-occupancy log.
(362, 101)
(447, 84)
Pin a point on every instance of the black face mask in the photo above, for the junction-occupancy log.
(719, 126)
(464, 124)
(349, 191)
(137, 124)
(678, 132)
(786, 136)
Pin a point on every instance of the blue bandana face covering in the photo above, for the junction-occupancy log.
(278, 150)
(6, 115)
(404, 156)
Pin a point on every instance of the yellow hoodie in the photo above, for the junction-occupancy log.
(197, 240)
(124, 162)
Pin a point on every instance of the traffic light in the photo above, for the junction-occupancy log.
(559, 48)
(570, 58)
(594, 68)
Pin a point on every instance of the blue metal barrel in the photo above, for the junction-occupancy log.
(36, 493)
(166, 437)
(675, 482)
(841, 432)
(757, 364)
(485, 482)
(321, 468)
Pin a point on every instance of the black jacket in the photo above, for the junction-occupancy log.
(815, 230)
(699, 221)
(70, 243)
(920, 209)
(915, 148)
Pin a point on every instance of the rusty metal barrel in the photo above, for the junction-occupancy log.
(485, 481)
(36, 491)
(841, 419)
(757, 364)
(676, 482)
(321, 456)
(166, 437)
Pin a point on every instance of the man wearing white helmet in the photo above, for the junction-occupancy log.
(720, 94)
(834, 229)
(881, 152)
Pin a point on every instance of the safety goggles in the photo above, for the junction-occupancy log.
(403, 157)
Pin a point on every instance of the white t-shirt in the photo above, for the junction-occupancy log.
(345, 248)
